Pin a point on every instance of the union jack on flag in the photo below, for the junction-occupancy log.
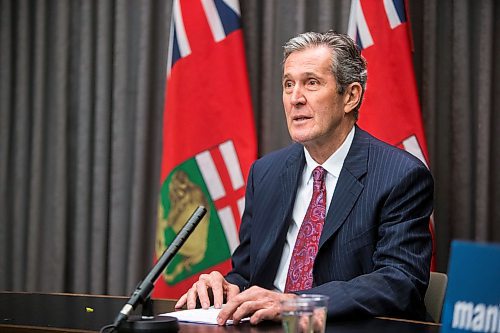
(223, 17)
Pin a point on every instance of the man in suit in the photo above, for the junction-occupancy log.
(338, 213)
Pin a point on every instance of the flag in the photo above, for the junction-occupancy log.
(209, 140)
(391, 109)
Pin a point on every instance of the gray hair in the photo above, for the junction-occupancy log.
(348, 65)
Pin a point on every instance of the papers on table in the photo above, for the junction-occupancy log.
(200, 316)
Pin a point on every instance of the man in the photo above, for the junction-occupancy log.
(339, 213)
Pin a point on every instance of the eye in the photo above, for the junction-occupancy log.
(287, 84)
(312, 82)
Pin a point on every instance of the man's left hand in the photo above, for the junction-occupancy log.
(257, 303)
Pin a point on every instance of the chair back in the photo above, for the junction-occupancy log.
(434, 296)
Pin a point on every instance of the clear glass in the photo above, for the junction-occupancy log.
(304, 314)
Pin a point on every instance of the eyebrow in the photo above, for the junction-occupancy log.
(305, 74)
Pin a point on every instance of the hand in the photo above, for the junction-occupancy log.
(214, 281)
(318, 322)
(259, 303)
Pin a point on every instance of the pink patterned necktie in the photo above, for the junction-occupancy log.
(306, 246)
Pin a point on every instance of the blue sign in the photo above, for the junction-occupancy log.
(472, 302)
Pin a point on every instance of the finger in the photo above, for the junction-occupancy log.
(319, 318)
(246, 309)
(246, 300)
(232, 291)
(201, 289)
(218, 284)
(265, 314)
(180, 303)
(192, 295)
(236, 301)
(304, 323)
(227, 311)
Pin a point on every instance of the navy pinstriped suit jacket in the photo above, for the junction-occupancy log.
(375, 249)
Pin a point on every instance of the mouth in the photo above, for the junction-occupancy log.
(300, 118)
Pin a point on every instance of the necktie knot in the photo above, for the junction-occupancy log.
(318, 176)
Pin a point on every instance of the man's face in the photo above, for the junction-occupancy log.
(313, 108)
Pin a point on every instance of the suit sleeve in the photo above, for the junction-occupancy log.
(401, 261)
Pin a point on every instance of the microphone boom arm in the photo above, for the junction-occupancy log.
(146, 286)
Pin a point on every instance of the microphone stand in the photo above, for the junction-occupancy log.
(142, 293)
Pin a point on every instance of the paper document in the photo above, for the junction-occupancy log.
(200, 316)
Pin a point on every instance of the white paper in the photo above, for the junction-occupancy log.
(200, 316)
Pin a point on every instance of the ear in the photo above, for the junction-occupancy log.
(352, 96)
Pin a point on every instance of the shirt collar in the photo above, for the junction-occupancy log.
(333, 165)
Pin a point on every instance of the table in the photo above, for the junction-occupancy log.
(37, 312)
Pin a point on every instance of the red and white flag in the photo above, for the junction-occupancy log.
(209, 140)
(391, 109)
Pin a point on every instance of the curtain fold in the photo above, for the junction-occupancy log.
(5, 115)
(81, 103)
(100, 148)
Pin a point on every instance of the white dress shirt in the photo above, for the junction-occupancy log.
(332, 165)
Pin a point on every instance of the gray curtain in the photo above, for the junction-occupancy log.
(82, 85)
(81, 102)
(456, 45)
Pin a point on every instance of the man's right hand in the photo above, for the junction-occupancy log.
(214, 281)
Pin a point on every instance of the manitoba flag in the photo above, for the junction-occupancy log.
(390, 110)
(209, 140)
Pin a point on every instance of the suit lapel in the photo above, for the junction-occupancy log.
(286, 189)
(349, 186)
(290, 181)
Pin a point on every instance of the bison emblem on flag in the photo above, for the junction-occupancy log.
(212, 178)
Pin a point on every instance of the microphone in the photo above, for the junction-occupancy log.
(145, 287)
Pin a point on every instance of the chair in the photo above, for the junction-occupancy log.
(434, 296)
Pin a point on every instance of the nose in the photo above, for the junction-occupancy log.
(297, 96)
